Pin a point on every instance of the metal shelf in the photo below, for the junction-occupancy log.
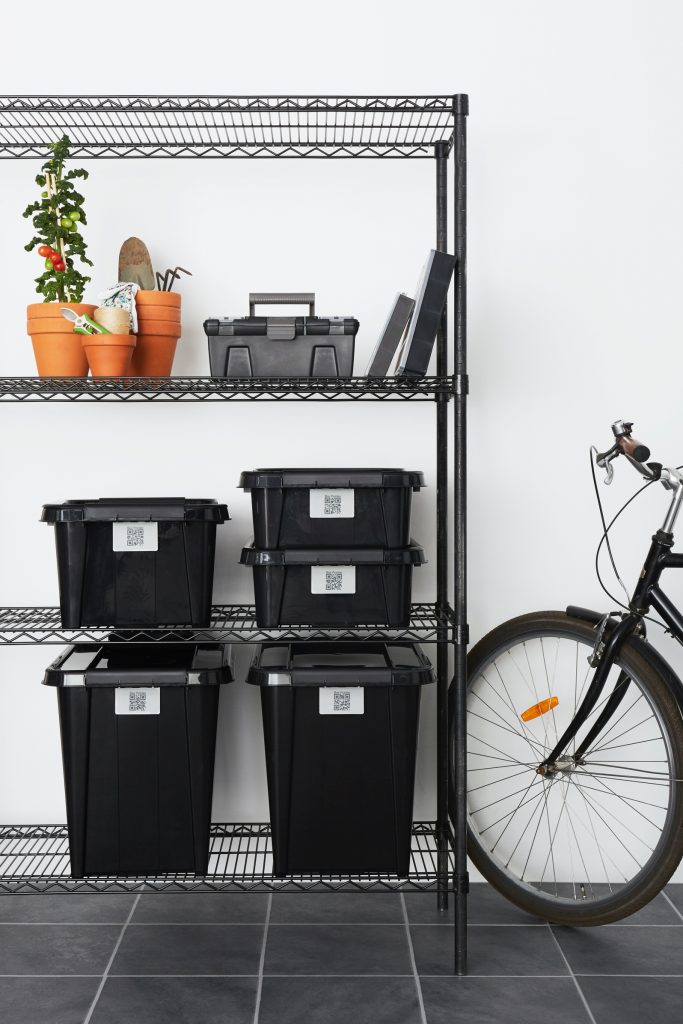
(233, 623)
(35, 859)
(213, 389)
(229, 126)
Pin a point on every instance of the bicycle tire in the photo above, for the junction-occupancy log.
(667, 854)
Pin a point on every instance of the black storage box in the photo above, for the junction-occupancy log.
(135, 561)
(281, 346)
(138, 725)
(340, 726)
(299, 508)
(333, 586)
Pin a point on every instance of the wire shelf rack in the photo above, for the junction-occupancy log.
(230, 623)
(236, 126)
(214, 389)
(35, 859)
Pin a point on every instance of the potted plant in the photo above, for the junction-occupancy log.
(57, 217)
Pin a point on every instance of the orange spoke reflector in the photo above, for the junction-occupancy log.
(536, 710)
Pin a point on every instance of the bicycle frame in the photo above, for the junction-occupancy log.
(647, 594)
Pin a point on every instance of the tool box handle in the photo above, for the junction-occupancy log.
(281, 299)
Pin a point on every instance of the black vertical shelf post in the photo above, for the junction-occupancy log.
(459, 753)
(442, 563)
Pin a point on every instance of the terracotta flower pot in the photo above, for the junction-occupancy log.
(155, 298)
(159, 328)
(109, 355)
(58, 351)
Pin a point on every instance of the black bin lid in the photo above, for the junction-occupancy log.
(141, 664)
(343, 477)
(113, 510)
(412, 555)
(333, 664)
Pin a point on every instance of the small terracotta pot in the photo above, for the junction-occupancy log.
(153, 355)
(148, 314)
(58, 351)
(109, 355)
(155, 298)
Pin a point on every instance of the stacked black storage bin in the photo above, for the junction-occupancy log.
(332, 547)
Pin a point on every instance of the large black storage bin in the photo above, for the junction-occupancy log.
(138, 725)
(281, 346)
(333, 586)
(340, 727)
(135, 561)
(300, 508)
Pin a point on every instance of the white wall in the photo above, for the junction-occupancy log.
(575, 215)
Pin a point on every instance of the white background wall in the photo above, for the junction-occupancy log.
(576, 220)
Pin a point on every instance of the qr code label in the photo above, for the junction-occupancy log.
(333, 579)
(349, 700)
(135, 536)
(137, 700)
(338, 504)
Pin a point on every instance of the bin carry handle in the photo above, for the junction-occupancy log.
(281, 299)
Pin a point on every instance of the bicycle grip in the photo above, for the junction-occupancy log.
(634, 449)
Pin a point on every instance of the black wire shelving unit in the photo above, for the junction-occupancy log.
(34, 858)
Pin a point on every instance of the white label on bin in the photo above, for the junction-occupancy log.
(137, 700)
(347, 700)
(332, 504)
(136, 536)
(333, 579)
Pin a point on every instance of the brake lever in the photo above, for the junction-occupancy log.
(604, 461)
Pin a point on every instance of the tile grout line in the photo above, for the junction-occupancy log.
(110, 962)
(672, 904)
(262, 960)
(573, 976)
(411, 951)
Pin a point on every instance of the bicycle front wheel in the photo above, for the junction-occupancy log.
(598, 837)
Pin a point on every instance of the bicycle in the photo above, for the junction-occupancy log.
(575, 802)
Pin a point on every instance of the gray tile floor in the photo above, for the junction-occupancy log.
(328, 959)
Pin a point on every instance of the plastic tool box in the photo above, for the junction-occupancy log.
(299, 508)
(138, 724)
(333, 586)
(135, 561)
(340, 727)
(281, 346)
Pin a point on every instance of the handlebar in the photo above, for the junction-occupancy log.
(635, 450)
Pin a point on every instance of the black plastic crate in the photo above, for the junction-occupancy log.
(333, 586)
(340, 727)
(135, 561)
(138, 725)
(281, 346)
(300, 508)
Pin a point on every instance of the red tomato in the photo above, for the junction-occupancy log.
(56, 257)
(44, 250)
(59, 266)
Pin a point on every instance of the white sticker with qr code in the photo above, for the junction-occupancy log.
(136, 536)
(347, 700)
(333, 579)
(332, 504)
(137, 700)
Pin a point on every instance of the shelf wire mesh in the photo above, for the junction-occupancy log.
(35, 859)
(230, 623)
(215, 389)
(227, 126)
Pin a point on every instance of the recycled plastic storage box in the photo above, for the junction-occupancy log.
(138, 725)
(281, 346)
(333, 586)
(135, 561)
(300, 508)
(340, 725)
